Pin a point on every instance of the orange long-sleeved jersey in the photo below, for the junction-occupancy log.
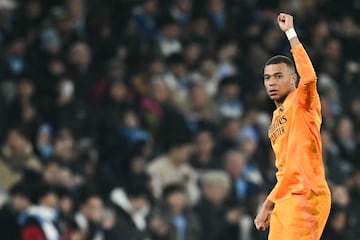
(295, 136)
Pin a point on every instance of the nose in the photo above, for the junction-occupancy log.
(271, 81)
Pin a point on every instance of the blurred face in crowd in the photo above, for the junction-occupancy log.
(131, 120)
(231, 91)
(33, 9)
(17, 47)
(338, 221)
(279, 81)
(216, 6)
(204, 142)
(157, 67)
(272, 39)
(65, 177)
(56, 67)
(25, 89)
(184, 6)
(231, 130)
(137, 165)
(66, 205)
(340, 195)
(333, 49)
(80, 55)
(93, 208)
(28, 113)
(180, 154)
(178, 69)
(49, 200)
(150, 7)
(216, 194)
(235, 163)
(64, 143)
(201, 27)
(171, 31)
(19, 202)
(16, 141)
(345, 129)
(51, 173)
(76, 8)
(193, 52)
(118, 91)
(228, 51)
(208, 68)
(321, 30)
(198, 96)
(177, 201)
(160, 91)
(248, 146)
(138, 202)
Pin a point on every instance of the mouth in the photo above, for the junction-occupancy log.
(273, 92)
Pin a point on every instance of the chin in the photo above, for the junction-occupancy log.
(274, 98)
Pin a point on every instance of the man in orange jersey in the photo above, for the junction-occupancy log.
(299, 204)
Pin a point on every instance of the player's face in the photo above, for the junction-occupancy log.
(279, 81)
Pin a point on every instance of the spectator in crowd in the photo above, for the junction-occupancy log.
(353, 229)
(132, 208)
(229, 103)
(40, 220)
(66, 224)
(228, 135)
(200, 107)
(173, 167)
(203, 157)
(89, 217)
(180, 219)
(44, 141)
(218, 220)
(245, 185)
(348, 144)
(18, 202)
(17, 157)
(337, 225)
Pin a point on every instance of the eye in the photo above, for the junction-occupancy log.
(278, 76)
(266, 78)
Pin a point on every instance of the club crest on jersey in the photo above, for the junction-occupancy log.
(281, 109)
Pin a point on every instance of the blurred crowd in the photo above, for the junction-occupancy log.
(147, 119)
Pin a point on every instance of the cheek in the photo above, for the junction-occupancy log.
(286, 84)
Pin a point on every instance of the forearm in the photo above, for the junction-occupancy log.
(268, 204)
(302, 60)
(294, 42)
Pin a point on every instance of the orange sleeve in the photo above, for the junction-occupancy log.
(307, 85)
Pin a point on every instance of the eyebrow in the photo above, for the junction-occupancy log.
(277, 73)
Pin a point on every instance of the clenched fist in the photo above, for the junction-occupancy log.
(285, 21)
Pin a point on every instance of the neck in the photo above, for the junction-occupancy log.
(280, 101)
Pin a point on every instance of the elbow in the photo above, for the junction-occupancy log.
(309, 80)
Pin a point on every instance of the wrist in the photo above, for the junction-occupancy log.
(291, 33)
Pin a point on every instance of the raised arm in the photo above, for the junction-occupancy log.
(307, 92)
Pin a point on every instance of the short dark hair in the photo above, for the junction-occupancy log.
(281, 59)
